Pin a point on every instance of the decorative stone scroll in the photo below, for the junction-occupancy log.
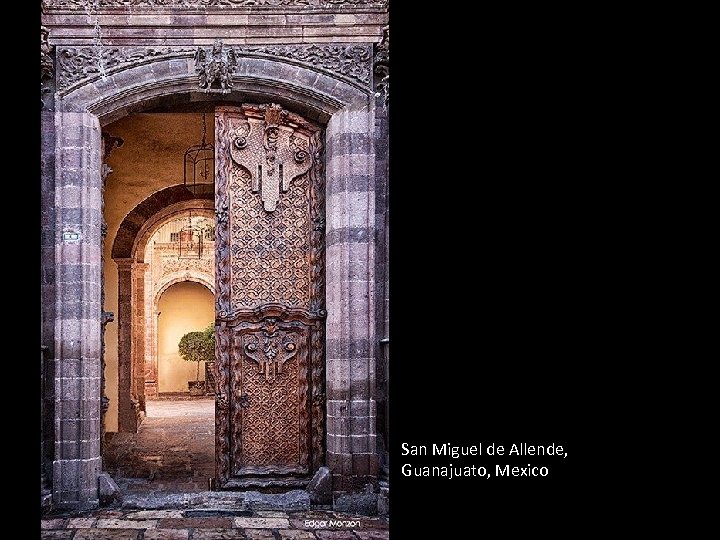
(47, 65)
(47, 69)
(351, 63)
(76, 64)
(382, 66)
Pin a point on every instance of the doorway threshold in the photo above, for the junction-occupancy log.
(219, 501)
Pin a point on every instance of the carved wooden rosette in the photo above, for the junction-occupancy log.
(271, 349)
(270, 297)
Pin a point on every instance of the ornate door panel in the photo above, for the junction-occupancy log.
(270, 295)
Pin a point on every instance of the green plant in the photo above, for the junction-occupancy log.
(198, 347)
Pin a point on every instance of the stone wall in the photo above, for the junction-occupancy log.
(139, 22)
(382, 292)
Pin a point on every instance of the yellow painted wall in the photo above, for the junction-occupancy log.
(184, 307)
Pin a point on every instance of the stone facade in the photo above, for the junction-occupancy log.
(114, 58)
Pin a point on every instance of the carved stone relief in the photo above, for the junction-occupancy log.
(171, 264)
(215, 67)
(47, 69)
(47, 65)
(348, 62)
(351, 61)
(79, 63)
(382, 66)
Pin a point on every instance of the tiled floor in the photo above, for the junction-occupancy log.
(172, 525)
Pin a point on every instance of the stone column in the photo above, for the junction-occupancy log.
(138, 337)
(127, 418)
(48, 239)
(382, 294)
(350, 274)
(150, 367)
(78, 199)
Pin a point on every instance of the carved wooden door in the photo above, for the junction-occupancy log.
(270, 296)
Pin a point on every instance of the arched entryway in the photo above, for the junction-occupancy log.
(344, 109)
(182, 307)
(174, 447)
(147, 261)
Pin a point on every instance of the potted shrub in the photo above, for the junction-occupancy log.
(198, 347)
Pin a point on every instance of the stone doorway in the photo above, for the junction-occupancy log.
(90, 107)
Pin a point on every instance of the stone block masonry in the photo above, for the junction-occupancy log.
(76, 461)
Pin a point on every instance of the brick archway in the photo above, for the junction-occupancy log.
(135, 304)
(127, 235)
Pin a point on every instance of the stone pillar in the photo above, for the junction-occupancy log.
(138, 337)
(350, 275)
(48, 238)
(127, 417)
(78, 199)
(151, 390)
(382, 294)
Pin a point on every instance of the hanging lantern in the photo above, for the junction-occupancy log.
(199, 165)
(190, 241)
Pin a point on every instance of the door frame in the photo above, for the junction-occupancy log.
(346, 111)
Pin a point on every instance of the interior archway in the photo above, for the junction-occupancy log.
(182, 307)
(163, 437)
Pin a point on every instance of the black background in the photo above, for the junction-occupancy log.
(491, 265)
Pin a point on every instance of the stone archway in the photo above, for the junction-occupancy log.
(344, 105)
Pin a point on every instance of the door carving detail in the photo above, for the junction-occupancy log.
(270, 316)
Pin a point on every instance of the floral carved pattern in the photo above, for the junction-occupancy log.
(350, 61)
(78, 65)
(270, 283)
(382, 66)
